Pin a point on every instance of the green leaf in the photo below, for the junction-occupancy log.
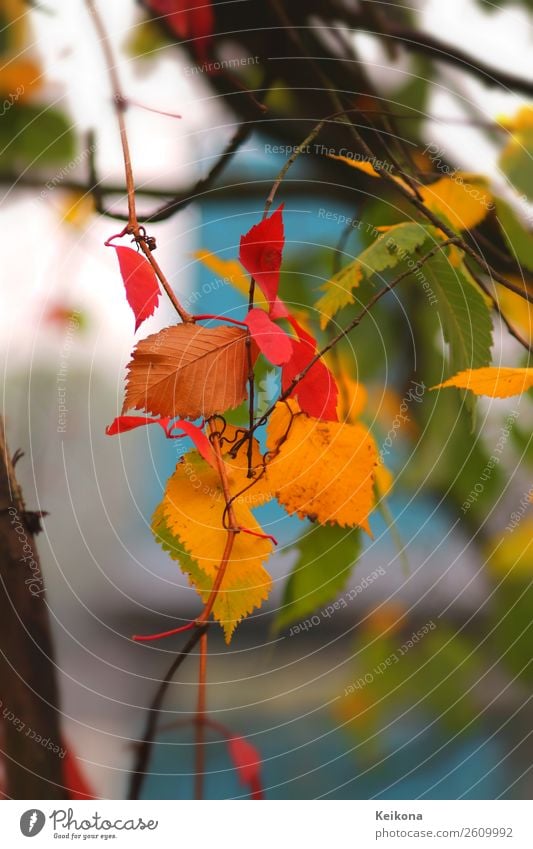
(519, 240)
(389, 250)
(35, 136)
(327, 555)
(464, 315)
(516, 161)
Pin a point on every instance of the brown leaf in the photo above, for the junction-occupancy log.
(188, 371)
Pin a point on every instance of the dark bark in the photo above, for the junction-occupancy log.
(29, 708)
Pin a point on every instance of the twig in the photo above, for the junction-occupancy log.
(144, 749)
(200, 722)
(119, 101)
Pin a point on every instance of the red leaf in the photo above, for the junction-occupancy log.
(142, 288)
(75, 782)
(188, 19)
(122, 424)
(261, 253)
(247, 761)
(198, 437)
(317, 392)
(271, 340)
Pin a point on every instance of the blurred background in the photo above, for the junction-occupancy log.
(345, 707)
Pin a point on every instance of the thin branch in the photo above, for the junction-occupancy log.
(144, 749)
(119, 101)
(441, 51)
(200, 722)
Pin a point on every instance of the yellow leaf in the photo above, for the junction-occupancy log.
(77, 209)
(384, 480)
(231, 272)
(461, 199)
(523, 120)
(361, 165)
(352, 397)
(494, 382)
(192, 510)
(322, 470)
(367, 168)
(511, 554)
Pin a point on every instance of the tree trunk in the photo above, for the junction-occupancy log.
(29, 701)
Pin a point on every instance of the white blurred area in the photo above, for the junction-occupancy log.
(96, 549)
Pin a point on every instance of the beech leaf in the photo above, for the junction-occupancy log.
(189, 524)
(494, 382)
(142, 288)
(188, 371)
(321, 470)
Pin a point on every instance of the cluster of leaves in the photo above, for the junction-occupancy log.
(320, 462)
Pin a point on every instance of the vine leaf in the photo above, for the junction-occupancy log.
(247, 762)
(261, 250)
(494, 382)
(123, 424)
(189, 524)
(321, 470)
(317, 392)
(140, 282)
(188, 371)
(326, 557)
(271, 340)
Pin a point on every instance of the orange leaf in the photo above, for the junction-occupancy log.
(494, 382)
(321, 469)
(188, 371)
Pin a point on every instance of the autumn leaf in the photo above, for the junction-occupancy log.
(494, 382)
(189, 523)
(321, 470)
(20, 78)
(188, 21)
(123, 424)
(188, 371)
(317, 392)
(366, 166)
(462, 200)
(260, 253)
(142, 288)
(247, 762)
(271, 340)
